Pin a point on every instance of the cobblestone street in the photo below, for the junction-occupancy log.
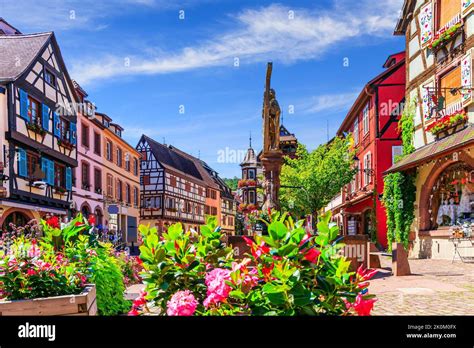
(436, 287)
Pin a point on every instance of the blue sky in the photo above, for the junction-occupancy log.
(142, 64)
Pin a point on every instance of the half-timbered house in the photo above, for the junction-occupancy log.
(440, 50)
(172, 188)
(37, 127)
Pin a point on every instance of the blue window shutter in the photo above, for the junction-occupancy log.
(72, 133)
(51, 173)
(45, 117)
(24, 104)
(57, 130)
(68, 178)
(22, 167)
(44, 169)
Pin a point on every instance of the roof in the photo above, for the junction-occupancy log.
(4, 25)
(172, 159)
(364, 94)
(405, 17)
(250, 158)
(19, 48)
(285, 135)
(201, 166)
(434, 150)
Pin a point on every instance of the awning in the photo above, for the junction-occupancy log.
(434, 150)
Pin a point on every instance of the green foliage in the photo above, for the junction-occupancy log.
(400, 189)
(316, 176)
(232, 183)
(292, 273)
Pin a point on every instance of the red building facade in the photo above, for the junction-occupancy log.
(373, 122)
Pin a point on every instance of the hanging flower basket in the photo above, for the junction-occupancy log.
(34, 127)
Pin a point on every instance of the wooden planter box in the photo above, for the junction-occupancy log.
(83, 304)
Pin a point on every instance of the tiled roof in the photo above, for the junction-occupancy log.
(250, 158)
(170, 158)
(18, 52)
(434, 150)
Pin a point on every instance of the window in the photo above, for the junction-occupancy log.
(64, 129)
(59, 175)
(146, 179)
(450, 80)
(135, 166)
(365, 119)
(127, 162)
(119, 193)
(367, 168)
(109, 151)
(396, 151)
(135, 196)
(49, 77)
(97, 143)
(251, 174)
(34, 111)
(173, 181)
(119, 157)
(252, 197)
(97, 180)
(85, 176)
(447, 10)
(110, 185)
(128, 198)
(144, 155)
(188, 187)
(32, 161)
(85, 135)
(356, 131)
(170, 203)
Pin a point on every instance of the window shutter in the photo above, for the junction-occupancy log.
(427, 103)
(50, 172)
(68, 178)
(426, 23)
(73, 133)
(24, 104)
(22, 167)
(466, 78)
(57, 125)
(45, 117)
(44, 169)
(467, 7)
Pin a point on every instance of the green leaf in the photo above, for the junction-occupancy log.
(301, 295)
(145, 254)
(271, 288)
(237, 294)
(277, 230)
(206, 231)
(277, 298)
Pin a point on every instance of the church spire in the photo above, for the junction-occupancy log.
(250, 139)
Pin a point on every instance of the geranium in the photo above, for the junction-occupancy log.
(53, 222)
(217, 288)
(91, 220)
(182, 303)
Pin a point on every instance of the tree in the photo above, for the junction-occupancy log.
(232, 183)
(316, 177)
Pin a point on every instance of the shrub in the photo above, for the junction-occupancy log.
(288, 272)
(131, 267)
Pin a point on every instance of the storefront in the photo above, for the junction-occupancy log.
(444, 206)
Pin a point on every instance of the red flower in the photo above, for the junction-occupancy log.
(363, 307)
(248, 241)
(366, 274)
(267, 271)
(91, 220)
(31, 272)
(53, 222)
(312, 255)
(79, 224)
(133, 313)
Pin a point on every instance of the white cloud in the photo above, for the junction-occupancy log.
(260, 34)
(327, 102)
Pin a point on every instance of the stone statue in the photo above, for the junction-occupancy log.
(274, 113)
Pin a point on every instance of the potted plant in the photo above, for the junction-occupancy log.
(35, 127)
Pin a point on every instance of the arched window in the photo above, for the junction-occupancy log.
(16, 218)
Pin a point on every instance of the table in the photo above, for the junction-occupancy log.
(457, 245)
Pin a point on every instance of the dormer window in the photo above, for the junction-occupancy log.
(118, 132)
(106, 123)
(49, 77)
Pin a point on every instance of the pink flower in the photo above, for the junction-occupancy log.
(217, 289)
(30, 272)
(182, 303)
(34, 251)
(133, 313)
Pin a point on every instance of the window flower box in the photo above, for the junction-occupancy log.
(82, 304)
(36, 128)
(60, 190)
(448, 124)
(444, 36)
(65, 143)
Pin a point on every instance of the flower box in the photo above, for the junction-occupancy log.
(34, 127)
(443, 37)
(83, 304)
(64, 143)
(448, 124)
